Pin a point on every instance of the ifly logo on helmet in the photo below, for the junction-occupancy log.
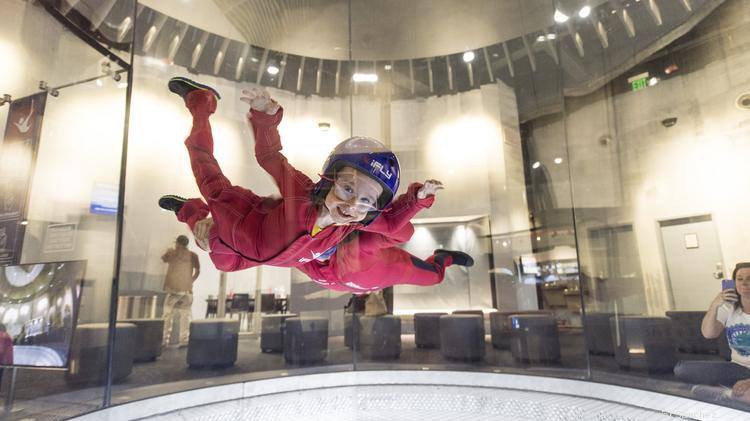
(377, 166)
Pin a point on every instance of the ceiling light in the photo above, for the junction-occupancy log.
(653, 81)
(558, 160)
(551, 36)
(254, 59)
(538, 238)
(272, 69)
(584, 12)
(365, 77)
(560, 17)
(541, 38)
(536, 165)
(24, 222)
(468, 56)
(387, 67)
(99, 83)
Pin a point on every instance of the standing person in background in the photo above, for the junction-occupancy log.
(6, 349)
(182, 270)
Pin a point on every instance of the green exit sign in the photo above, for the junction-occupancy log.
(639, 84)
(638, 81)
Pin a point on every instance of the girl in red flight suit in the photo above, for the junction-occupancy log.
(359, 182)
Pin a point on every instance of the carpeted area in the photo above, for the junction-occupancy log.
(46, 394)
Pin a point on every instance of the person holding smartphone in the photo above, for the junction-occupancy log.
(728, 313)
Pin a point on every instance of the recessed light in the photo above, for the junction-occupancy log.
(469, 56)
(365, 77)
(584, 12)
(560, 17)
(536, 165)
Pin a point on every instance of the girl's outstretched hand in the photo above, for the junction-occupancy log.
(260, 100)
(430, 187)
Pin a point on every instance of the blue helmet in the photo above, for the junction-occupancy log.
(371, 157)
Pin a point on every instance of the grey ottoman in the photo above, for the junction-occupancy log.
(643, 342)
(475, 312)
(462, 336)
(500, 326)
(272, 332)
(380, 337)
(534, 337)
(88, 353)
(427, 330)
(213, 343)
(686, 330)
(598, 333)
(148, 338)
(306, 340)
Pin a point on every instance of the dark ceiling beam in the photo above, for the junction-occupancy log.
(627, 22)
(67, 5)
(176, 41)
(450, 72)
(411, 76)
(198, 50)
(241, 62)
(430, 76)
(318, 76)
(529, 53)
(654, 11)
(338, 78)
(601, 32)
(508, 60)
(101, 13)
(220, 55)
(300, 73)
(489, 65)
(261, 66)
(282, 70)
(153, 33)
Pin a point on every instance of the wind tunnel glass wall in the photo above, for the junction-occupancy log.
(59, 179)
(658, 103)
(226, 323)
(590, 154)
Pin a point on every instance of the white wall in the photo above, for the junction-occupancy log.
(696, 167)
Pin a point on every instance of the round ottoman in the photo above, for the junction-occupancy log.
(88, 353)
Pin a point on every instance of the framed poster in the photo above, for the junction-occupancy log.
(17, 161)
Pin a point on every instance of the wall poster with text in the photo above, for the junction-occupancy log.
(17, 160)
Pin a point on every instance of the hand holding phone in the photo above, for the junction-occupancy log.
(727, 284)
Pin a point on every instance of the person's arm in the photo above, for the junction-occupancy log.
(167, 256)
(291, 182)
(401, 211)
(369, 241)
(196, 266)
(716, 316)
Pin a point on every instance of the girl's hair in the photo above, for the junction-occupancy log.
(737, 267)
(740, 265)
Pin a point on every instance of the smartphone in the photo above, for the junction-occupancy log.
(727, 284)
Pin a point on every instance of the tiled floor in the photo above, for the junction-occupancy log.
(46, 395)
